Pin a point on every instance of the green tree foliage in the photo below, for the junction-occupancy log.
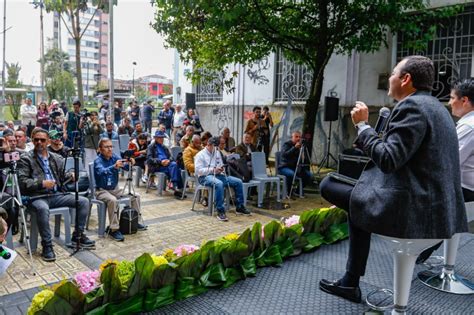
(59, 82)
(13, 81)
(215, 34)
(72, 9)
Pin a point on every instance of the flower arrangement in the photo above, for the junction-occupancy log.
(152, 281)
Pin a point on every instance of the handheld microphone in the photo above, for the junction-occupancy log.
(382, 121)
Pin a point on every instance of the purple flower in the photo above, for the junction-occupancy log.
(87, 280)
(294, 219)
(183, 250)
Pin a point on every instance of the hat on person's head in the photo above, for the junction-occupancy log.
(54, 102)
(159, 134)
(54, 135)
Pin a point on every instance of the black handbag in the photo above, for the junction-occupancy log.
(128, 221)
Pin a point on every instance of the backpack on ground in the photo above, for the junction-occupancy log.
(128, 221)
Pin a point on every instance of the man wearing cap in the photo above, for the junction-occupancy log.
(109, 131)
(72, 123)
(56, 144)
(159, 160)
(209, 168)
(28, 113)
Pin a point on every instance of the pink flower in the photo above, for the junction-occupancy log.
(183, 250)
(263, 232)
(87, 280)
(294, 219)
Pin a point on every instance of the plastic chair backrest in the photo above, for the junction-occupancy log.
(175, 151)
(277, 160)
(92, 179)
(124, 140)
(116, 147)
(258, 164)
(70, 164)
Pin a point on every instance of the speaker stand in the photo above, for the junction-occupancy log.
(327, 154)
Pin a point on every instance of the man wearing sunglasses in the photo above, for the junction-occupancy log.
(41, 177)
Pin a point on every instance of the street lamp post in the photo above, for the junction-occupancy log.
(133, 78)
(87, 82)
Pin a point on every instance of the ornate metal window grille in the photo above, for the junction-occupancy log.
(452, 52)
(210, 91)
(291, 79)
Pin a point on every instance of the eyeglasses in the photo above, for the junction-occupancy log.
(43, 140)
(107, 146)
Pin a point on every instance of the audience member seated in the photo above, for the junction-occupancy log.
(193, 120)
(205, 136)
(138, 130)
(106, 170)
(139, 147)
(222, 147)
(246, 148)
(190, 152)
(167, 140)
(187, 138)
(159, 160)
(109, 132)
(210, 171)
(22, 144)
(40, 175)
(126, 127)
(229, 141)
(289, 157)
(11, 140)
(56, 144)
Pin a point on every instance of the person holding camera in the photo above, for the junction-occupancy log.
(73, 122)
(41, 177)
(256, 128)
(289, 163)
(92, 131)
(106, 171)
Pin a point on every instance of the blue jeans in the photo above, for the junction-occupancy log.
(42, 206)
(220, 182)
(172, 171)
(289, 173)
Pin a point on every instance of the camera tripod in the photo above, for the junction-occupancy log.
(327, 155)
(299, 164)
(15, 200)
(131, 191)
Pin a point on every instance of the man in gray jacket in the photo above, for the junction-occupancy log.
(411, 188)
(40, 175)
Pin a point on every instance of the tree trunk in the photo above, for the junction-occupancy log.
(76, 29)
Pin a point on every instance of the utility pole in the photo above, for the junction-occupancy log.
(42, 49)
(111, 58)
(133, 78)
(4, 98)
(87, 82)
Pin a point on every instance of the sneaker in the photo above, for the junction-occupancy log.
(222, 217)
(84, 242)
(204, 202)
(242, 211)
(48, 253)
(117, 236)
(144, 179)
(142, 227)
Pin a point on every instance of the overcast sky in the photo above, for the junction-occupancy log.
(134, 40)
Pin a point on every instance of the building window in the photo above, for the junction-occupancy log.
(452, 52)
(292, 80)
(210, 91)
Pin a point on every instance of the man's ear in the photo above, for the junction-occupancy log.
(407, 80)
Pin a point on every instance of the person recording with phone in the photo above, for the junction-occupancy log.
(41, 177)
(289, 162)
(106, 171)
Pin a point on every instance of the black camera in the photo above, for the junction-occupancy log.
(303, 142)
(84, 113)
(127, 154)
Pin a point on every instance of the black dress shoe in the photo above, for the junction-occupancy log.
(334, 287)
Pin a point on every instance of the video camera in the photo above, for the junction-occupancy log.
(84, 113)
(128, 154)
(7, 156)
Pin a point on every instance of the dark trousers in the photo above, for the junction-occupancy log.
(468, 195)
(339, 194)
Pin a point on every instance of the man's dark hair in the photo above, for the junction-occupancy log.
(266, 108)
(39, 130)
(255, 108)
(77, 103)
(142, 136)
(421, 70)
(465, 88)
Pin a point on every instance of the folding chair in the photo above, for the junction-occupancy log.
(259, 172)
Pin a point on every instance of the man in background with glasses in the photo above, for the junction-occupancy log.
(41, 177)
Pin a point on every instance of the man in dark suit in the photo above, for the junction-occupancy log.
(246, 148)
(411, 188)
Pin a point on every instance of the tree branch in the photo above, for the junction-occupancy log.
(65, 24)
(90, 20)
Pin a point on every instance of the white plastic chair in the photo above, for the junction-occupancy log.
(175, 151)
(259, 172)
(116, 147)
(123, 142)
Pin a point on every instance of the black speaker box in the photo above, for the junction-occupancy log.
(190, 100)
(331, 108)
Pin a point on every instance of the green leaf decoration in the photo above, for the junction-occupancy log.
(93, 299)
(158, 298)
(144, 267)
(208, 255)
(213, 276)
(187, 287)
(232, 275)
(132, 305)
(272, 232)
(257, 242)
(246, 238)
(70, 293)
(308, 219)
(233, 252)
(163, 275)
(285, 247)
(58, 305)
(336, 232)
(249, 267)
(101, 310)
(313, 240)
(111, 284)
(189, 265)
(269, 257)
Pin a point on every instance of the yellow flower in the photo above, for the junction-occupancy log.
(231, 236)
(159, 260)
(107, 263)
(39, 301)
(54, 287)
(169, 254)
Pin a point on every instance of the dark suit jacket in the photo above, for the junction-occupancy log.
(412, 186)
(152, 158)
(290, 154)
